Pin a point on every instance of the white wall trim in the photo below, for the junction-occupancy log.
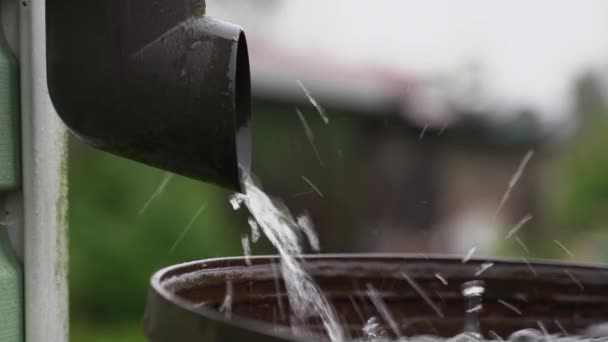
(44, 187)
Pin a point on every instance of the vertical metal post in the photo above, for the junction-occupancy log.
(44, 146)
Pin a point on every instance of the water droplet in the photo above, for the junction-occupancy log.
(305, 223)
(246, 248)
(441, 278)
(314, 103)
(473, 293)
(513, 181)
(226, 307)
(469, 255)
(423, 132)
(373, 329)
(236, 200)
(484, 267)
(255, 229)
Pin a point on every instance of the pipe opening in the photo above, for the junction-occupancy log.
(243, 107)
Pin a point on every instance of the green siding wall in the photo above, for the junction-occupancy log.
(11, 278)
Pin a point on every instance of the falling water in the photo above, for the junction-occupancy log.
(246, 248)
(187, 227)
(307, 301)
(510, 306)
(255, 229)
(372, 329)
(159, 190)
(278, 225)
(312, 186)
(226, 307)
(513, 181)
(441, 278)
(383, 310)
(309, 135)
(314, 102)
(307, 227)
(423, 132)
(469, 255)
(518, 226)
(564, 248)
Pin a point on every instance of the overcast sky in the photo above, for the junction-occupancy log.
(526, 53)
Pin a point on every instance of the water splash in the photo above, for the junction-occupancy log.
(307, 300)
(526, 335)
(226, 307)
(305, 223)
(236, 200)
(187, 228)
(255, 229)
(372, 329)
(314, 102)
(277, 287)
(167, 176)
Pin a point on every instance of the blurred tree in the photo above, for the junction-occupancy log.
(114, 249)
(579, 203)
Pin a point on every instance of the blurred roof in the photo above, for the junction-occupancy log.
(492, 59)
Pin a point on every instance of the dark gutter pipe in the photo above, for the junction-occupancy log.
(158, 82)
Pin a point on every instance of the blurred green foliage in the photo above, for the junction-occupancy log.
(582, 204)
(578, 200)
(114, 250)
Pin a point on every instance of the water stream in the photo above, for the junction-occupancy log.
(278, 225)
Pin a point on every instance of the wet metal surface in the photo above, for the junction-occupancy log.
(156, 82)
(184, 300)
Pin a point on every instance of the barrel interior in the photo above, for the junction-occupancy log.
(517, 295)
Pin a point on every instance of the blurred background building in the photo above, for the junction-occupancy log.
(432, 109)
